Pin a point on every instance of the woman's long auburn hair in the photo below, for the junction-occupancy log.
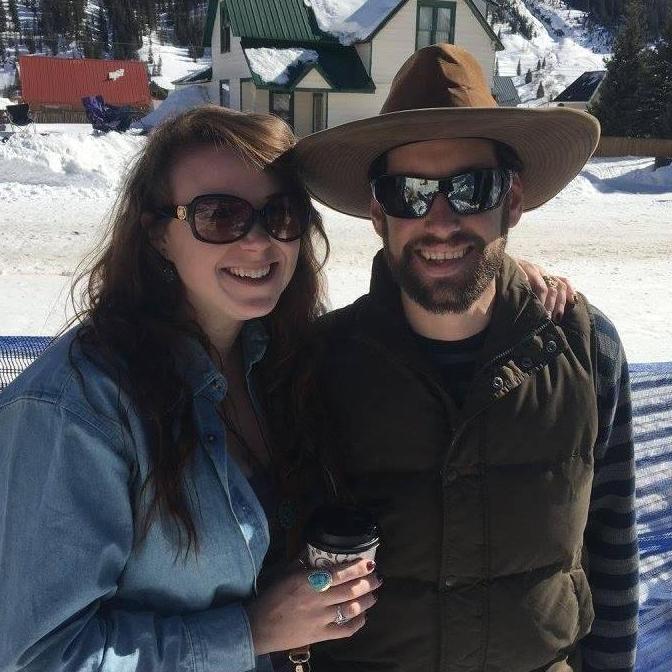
(132, 314)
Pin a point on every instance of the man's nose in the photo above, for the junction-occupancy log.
(441, 215)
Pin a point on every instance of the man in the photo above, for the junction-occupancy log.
(493, 445)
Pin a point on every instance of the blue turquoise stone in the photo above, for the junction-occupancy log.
(319, 581)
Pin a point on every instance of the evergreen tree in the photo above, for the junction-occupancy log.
(543, 65)
(619, 106)
(519, 69)
(540, 90)
(14, 15)
(528, 77)
(56, 22)
(538, 65)
(125, 29)
(658, 97)
(103, 34)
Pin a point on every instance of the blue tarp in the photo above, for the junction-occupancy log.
(652, 418)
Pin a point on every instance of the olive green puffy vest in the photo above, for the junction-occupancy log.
(482, 509)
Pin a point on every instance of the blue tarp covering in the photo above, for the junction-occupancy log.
(652, 414)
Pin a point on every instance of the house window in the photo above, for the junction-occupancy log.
(224, 29)
(319, 111)
(436, 23)
(225, 93)
(282, 105)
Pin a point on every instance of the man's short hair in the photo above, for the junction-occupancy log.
(506, 158)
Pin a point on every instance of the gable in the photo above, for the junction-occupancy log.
(312, 79)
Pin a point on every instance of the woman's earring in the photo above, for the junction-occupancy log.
(168, 271)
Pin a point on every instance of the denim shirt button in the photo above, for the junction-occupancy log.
(551, 347)
(210, 438)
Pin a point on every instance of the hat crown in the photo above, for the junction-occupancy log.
(441, 75)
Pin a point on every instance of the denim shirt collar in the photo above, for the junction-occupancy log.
(199, 371)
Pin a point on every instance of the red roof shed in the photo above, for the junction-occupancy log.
(47, 81)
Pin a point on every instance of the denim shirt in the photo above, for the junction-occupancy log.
(76, 592)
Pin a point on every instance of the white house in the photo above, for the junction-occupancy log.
(319, 63)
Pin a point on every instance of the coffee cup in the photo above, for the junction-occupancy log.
(336, 534)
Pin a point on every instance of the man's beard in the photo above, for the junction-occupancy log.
(457, 293)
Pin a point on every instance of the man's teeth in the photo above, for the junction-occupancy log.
(443, 256)
(250, 273)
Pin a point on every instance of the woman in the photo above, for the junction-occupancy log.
(131, 535)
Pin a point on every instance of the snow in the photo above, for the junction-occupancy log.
(568, 55)
(350, 20)
(179, 100)
(609, 231)
(175, 61)
(272, 65)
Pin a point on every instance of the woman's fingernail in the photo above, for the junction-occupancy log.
(371, 565)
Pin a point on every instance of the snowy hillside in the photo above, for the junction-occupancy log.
(174, 61)
(603, 231)
(560, 38)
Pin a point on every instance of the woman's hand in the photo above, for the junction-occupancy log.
(554, 291)
(291, 614)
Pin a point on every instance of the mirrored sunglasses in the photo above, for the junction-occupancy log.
(468, 193)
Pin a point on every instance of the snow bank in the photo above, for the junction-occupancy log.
(82, 160)
(178, 101)
(272, 65)
(350, 20)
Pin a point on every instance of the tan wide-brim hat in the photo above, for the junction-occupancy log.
(441, 93)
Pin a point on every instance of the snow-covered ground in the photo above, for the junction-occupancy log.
(568, 48)
(610, 231)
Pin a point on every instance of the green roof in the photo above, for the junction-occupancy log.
(292, 22)
(280, 20)
(340, 66)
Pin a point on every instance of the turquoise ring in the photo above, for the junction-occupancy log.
(320, 580)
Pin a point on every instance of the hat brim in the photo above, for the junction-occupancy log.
(553, 145)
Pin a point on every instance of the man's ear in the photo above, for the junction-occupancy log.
(515, 201)
(377, 217)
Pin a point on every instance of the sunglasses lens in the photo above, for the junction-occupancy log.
(222, 219)
(286, 216)
(475, 191)
(404, 197)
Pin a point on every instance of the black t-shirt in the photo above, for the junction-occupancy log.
(456, 362)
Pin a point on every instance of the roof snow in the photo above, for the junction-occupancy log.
(351, 20)
(272, 65)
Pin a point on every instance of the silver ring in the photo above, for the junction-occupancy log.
(340, 618)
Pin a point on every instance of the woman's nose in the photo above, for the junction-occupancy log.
(256, 237)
